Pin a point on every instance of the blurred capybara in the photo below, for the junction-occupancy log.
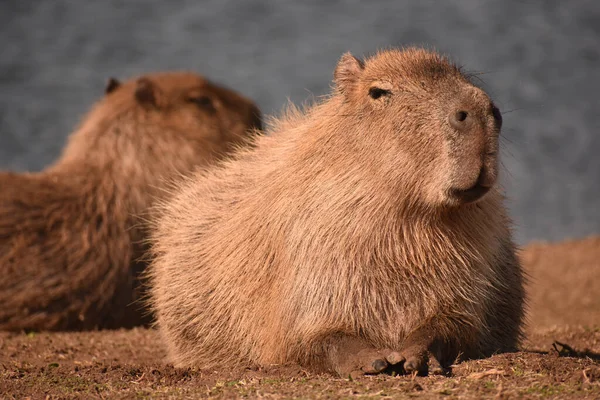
(363, 234)
(72, 235)
(564, 288)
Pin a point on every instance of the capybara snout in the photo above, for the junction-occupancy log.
(475, 124)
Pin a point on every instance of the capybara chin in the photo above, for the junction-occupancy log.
(72, 235)
(361, 235)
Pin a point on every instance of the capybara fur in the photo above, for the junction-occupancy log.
(366, 233)
(564, 287)
(72, 235)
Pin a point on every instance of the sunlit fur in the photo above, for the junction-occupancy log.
(338, 222)
(71, 234)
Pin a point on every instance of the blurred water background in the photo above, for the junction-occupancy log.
(540, 61)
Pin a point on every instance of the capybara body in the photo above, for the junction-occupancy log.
(363, 234)
(71, 236)
(564, 287)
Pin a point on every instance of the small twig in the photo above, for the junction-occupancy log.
(500, 391)
(586, 379)
(565, 351)
(138, 380)
(479, 375)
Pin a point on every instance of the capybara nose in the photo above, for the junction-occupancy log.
(461, 119)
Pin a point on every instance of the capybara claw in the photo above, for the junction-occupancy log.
(412, 364)
(377, 366)
(394, 358)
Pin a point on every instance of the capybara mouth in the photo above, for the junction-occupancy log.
(473, 193)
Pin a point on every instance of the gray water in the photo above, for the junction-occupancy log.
(540, 59)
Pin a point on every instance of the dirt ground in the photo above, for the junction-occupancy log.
(560, 358)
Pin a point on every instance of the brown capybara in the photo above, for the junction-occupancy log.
(72, 235)
(364, 234)
(564, 288)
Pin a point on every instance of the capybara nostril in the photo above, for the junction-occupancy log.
(459, 120)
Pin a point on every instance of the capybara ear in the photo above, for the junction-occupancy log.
(145, 92)
(111, 85)
(347, 72)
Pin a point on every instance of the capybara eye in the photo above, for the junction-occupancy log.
(461, 116)
(203, 102)
(376, 92)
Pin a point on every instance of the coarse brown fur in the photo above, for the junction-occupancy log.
(565, 282)
(363, 234)
(71, 236)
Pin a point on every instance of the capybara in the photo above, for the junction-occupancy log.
(71, 236)
(364, 234)
(564, 288)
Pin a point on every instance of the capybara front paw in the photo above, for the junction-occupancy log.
(416, 362)
(435, 366)
(422, 362)
(368, 361)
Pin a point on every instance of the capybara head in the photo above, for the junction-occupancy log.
(177, 119)
(438, 130)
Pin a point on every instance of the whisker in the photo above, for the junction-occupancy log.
(479, 73)
(506, 170)
(506, 138)
(513, 110)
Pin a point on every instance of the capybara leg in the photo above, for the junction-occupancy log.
(350, 356)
